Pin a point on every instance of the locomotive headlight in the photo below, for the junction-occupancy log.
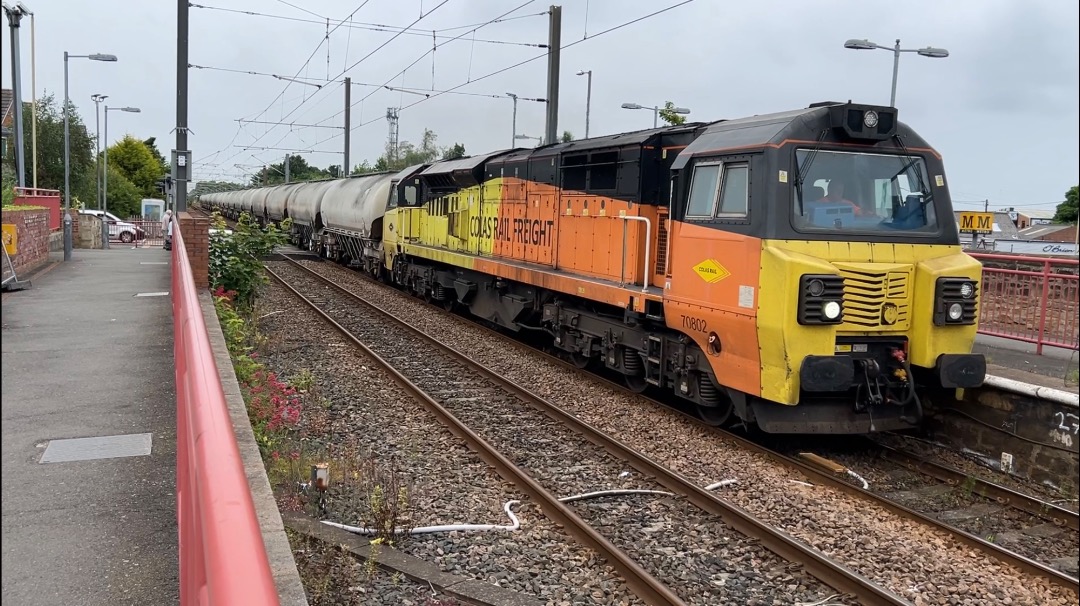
(955, 302)
(815, 288)
(831, 310)
(956, 311)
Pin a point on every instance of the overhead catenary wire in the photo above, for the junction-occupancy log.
(519, 64)
(346, 70)
(378, 27)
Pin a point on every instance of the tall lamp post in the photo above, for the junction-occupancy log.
(588, 98)
(67, 147)
(656, 110)
(539, 140)
(513, 124)
(105, 181)
(929, 51)
(97, 99)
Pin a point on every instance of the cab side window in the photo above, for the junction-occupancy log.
(703, 191)
(734, 190)
(719, 190)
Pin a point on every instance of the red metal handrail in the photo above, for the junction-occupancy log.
(222, 557)
(1008, 296)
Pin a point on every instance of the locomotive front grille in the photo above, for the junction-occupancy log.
(876, 299)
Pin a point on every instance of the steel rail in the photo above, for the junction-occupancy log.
(828, 571)
(1008, 557)
(1003, 495)
(644, 585)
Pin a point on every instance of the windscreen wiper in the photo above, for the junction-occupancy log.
(799, 174)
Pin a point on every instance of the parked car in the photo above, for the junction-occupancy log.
(118, 229)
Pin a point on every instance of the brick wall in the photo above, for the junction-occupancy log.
(32, 229)
(196, 233)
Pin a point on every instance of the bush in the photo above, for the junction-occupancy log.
(234, 263)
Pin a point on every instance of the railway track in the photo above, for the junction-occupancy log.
(1002, 496)
(465, 395)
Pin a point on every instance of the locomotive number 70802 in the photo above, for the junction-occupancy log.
(696, 324)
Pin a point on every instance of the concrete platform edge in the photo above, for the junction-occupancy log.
(388, 558)
(1041, 392)
(286, 576)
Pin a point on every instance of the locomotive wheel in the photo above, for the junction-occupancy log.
(717, 416)
(579, 360)
(635, 383)
(717, 409)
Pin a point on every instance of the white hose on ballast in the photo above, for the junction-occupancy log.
(721, 484)
(444, 528)
(508, 527)
(865, 484)
(609, 493)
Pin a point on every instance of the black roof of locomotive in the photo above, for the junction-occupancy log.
(774, 129)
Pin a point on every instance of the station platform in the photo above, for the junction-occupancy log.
(89, 433)
(1056, 367)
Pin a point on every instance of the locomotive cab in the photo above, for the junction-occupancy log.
(841, 279)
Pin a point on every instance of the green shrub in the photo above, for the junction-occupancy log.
(235, 259)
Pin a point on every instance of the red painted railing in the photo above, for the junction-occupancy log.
(1031, 299)
(222, 556)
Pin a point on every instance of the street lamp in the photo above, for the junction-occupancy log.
(656, 110)
(513, 126)
(929, 51)
(588, 98)
(105, 182)
(539, 140)
(67, 147)
(97, 99)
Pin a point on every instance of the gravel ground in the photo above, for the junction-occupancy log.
(367, 412)
(970, 464)
(960, 507)
(671, 538)
(922, 564)
(333, 577)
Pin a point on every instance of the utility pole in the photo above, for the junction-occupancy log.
(15, 15)
(287, 166)
(554, 45)
(392, 143)
(346, 167)
(181, 154)
(986, 206)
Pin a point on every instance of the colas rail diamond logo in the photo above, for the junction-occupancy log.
(711, 271)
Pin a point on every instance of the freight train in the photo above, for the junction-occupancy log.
(798, 271)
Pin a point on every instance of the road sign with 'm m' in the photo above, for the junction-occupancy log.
(977, 223)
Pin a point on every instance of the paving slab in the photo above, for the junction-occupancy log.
(88, 377)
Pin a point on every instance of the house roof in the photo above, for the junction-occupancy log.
(6, 98)
(1037, 231)
(1038, 214)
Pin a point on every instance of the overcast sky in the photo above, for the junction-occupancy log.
(1002, 109)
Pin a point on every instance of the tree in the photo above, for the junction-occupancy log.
(50, 148)
(667, 114)
(151, 144)
(567, 136)
(123, 197)
(134, 159)
(454, 152)
(1067, 210)
(363, 168)
(206, 187)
